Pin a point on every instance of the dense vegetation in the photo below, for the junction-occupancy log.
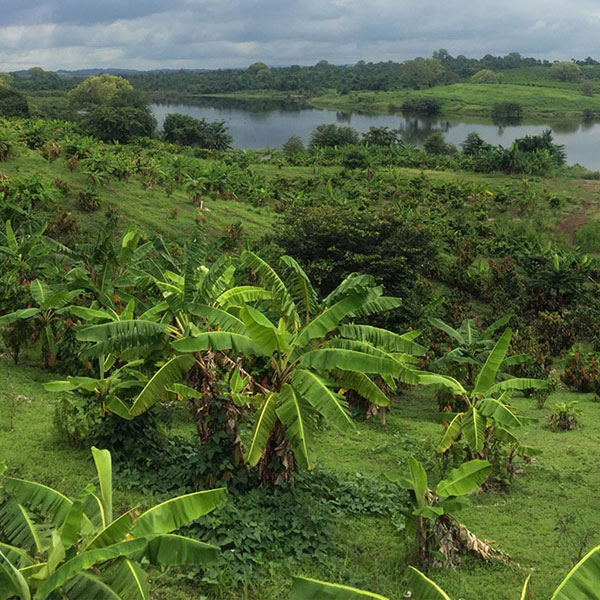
(213, 318)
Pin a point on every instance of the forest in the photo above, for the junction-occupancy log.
(344, 368)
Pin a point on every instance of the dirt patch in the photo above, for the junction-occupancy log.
(571, 224)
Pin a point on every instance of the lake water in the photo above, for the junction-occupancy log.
(261, 124)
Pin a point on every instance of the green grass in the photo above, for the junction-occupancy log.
(471, 100)
(561, 484)
(152, 209)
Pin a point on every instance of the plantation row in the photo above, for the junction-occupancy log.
(372, 283)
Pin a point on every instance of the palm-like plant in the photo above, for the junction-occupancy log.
(52, 306)
(486, 415)
(304, 358)
(57, 547)
(292, 352)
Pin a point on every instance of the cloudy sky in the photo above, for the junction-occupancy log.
(149, 34)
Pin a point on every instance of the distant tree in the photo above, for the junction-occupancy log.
(427, 107)
(486, 76)
(333, 135)
(507, 110)
(381, 136)
(12, 103)
(118, 123)
(473, 143)
(587, 88)
(565, 71)
(422, 72)
(257, 66)
(435, 144)
(100, 90)
(188, 131)
(292, 147)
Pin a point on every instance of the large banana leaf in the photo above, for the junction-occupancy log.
(127, 579)
(133, 548)
(464, 479)
(329, 319)
(123, 335)
(39, 498)
(378, 304)
(350, 360)
(218, 317)
(448, 382)
(103, 464)
(88, 586)
(315, 390)
(263, 425)
(443, 326)
(238, 296)
(392, 342)
(112, 533)
(17, 556)
(501, 322)
(473, 428)
(290, 412)
(487, 375)
(418, 479)
(217, 341)
(173, 514)
(362, 385)
(24, 313)
(12, 582)
(489, 407)
(20, 528)
(273, 282)
(423, 588)
(583, 581)
(312, 589)
(517, 383)
(453, 430)
(263, 333)
(171, 549)
(300, 287)
(171, 372)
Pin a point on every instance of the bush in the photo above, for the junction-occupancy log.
(556, 331)
(507, 110)
(292, 147)
(435, 144)
(587, 88)
(582, 373)
(118, 123)
(473, 143)
(356, 158)
(565, 71)
(333, 135)
(187, 131)
(421, 106)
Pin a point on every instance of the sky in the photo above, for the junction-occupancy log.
(196, 34)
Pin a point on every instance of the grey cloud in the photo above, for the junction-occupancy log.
(212, 33)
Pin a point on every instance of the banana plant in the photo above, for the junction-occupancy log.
(430, 521)
(306, 355)
(581, 583)
(48, 317)
(77, 548)
(487, 417)
(472, 345)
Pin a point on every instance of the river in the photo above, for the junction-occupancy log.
(269, 123)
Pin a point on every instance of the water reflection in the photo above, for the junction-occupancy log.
(260, 123)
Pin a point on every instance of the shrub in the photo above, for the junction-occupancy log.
(564, 416)
(421, 106)
(435, 144)
(118, 123)
(473, 143)
(356, 158)
(486, 76)
(292, 147)
(507, 110)
(587, 88)
(556, 331)
(333, 135)
(187, 131)
(582, 373)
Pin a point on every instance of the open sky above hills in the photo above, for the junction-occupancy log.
(71, 34)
